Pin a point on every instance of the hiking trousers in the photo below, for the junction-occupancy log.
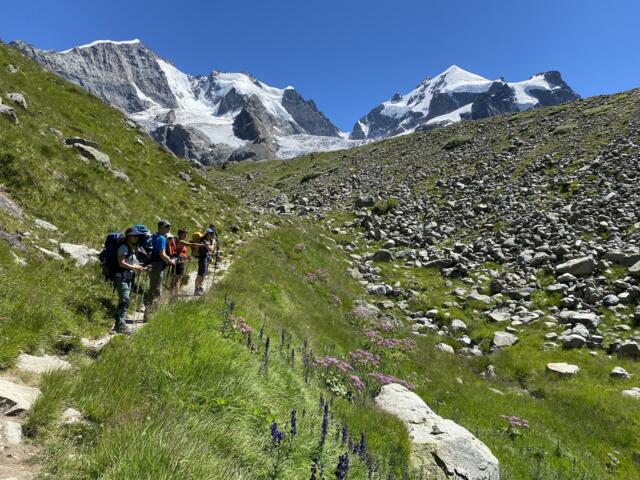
(123, 286)
(155, 284)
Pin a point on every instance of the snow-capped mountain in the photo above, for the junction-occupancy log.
(456, 95)
(211, 119)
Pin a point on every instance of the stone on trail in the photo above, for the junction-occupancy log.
(10, 433)
(82, 254)
(16, 398)
(577, 266)
(563, 368)
(94, 346)
(43, 364)
(440, 446)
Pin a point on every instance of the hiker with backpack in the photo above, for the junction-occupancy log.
(182, 258)
(204, 254)
(160, 259)
(127, 264)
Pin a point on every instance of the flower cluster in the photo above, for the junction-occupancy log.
(365, 358)
(383, 379)
(515, 422)
(361, 312)
(318, 274)
(299, 247)
(240, 324)
(358, 384)
(329, 362)
(386, 326)
(375, 339)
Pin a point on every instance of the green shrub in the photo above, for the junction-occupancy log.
(456, 142)
(385, 206)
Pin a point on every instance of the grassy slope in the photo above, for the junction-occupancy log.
(196, 401)
(575, 423)
(84, 201)
(572, 421)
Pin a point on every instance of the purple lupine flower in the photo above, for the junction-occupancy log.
(294, 423)
(345, 434)
(362, 447)
(276, 435)
(342, 470)
(313, 472)
(325, 423)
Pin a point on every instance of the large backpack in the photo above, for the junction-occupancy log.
(109, 255)
(172, 247)
(196, 237)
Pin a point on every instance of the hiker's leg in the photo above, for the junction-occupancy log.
(124, 296)
(155, 286)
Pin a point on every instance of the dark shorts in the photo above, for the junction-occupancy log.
(203, 266)
(181, 265)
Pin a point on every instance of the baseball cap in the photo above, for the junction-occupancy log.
(163, 223)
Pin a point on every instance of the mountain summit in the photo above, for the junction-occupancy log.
(211, 119)
(457, 95)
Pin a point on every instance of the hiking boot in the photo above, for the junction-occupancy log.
(123, 329)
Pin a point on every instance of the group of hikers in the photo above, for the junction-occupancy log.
(129, 260)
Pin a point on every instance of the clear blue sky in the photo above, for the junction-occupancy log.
(350, 55)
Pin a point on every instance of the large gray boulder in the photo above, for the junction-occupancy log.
(503, 339)
(82, 254)
(440, 447)
(577, 266)
(634, 270)
(7, 205)
(16, 398)
(18, 99)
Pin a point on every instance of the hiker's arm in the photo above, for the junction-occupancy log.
(129, 266)
(165, 258)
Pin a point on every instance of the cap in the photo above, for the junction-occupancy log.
(133, 231)
(209, 230)
(163, 223)
(182, 230)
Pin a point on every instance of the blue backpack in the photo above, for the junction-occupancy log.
(109, 255)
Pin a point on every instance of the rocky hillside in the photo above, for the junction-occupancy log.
(214, 118)
(456, 95)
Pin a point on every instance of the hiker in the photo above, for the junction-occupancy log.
(205, 254)
(127, 265)
(160, 259)
(182, 258)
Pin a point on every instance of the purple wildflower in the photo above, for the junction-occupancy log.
(276, 435)
(357, 382)
(342, 470)
(294, 423)
(325, 423)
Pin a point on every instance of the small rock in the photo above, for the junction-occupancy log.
(9, 113)
(619, 372)
(45, 225)
(11, 432)
(577, 266)
(92, 153)
(563, 368)
(503, 339)
(633, 393)
(383, 255)
(629, 349)
(443, 347)
(71, 416)
(18, 98)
